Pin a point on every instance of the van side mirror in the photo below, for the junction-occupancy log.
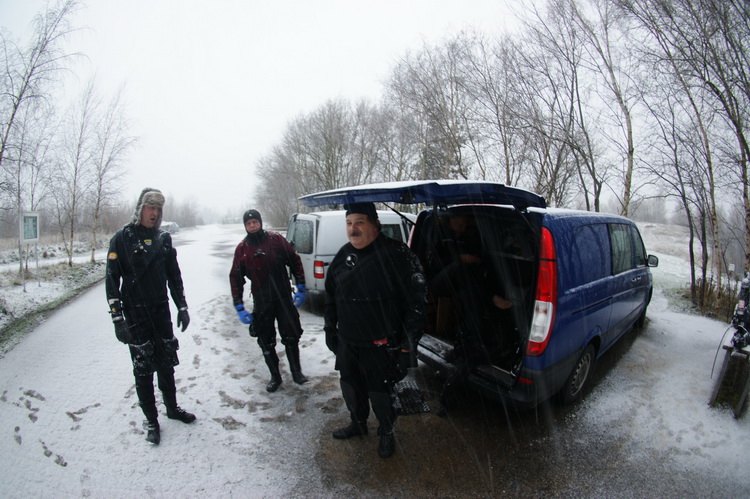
(653, 261)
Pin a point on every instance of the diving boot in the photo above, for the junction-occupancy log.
(180, 414)
(292, 356)
(272, 361)
(153, 435)
(353, 430)
(387, 445)
(274, 384)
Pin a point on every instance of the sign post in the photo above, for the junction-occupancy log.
(29, 232)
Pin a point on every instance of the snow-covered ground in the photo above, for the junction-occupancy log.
(70, 425)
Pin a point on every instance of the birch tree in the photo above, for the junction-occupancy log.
(111, 142)
(708, 42)
(74, 169)
(29, 74)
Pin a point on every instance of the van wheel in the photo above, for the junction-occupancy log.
(576, 382)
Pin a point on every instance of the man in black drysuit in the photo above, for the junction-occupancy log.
(141, 263)
(374, 313)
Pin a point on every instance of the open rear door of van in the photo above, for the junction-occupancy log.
(429, 192)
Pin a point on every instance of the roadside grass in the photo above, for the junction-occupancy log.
(21, 312)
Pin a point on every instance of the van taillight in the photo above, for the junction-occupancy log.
(546, 297)
(319, 269)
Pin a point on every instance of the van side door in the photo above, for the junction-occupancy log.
(629, 282)
(584, 302)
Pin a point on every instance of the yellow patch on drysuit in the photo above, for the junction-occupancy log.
(112, 256)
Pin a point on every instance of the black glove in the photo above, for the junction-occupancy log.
(183, 319)
(121, 330)
(332, 340)
(118, 320)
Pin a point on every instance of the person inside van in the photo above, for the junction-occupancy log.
(473, 282)
(457, 278)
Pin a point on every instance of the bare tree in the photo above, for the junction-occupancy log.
(491, 75)
(430, 84)
(73, 176)
(28, 74)
(333, 146)
(709, 39)
(604, 31)
(396, 132)
(706, 44)
(111, 142)
(546, 99)
(29, 165)
(561, 58)
(185, 213)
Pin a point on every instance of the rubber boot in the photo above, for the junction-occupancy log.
(382, 406)
(272, 361)
(151, 423)
(387, 444)
(153, 435)
(174, 411)
(355, 429)
(292, 356)
(144, 388)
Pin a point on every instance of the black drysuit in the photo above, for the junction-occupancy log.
(374, 308)
(141, 263)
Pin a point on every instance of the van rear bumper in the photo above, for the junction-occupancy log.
(525, 391)
(491, 381)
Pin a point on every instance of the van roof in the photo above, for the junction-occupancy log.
(571, 213)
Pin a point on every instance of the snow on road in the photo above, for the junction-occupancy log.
(70, 424)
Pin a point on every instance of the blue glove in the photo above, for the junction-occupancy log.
(245, 316)
(299, 296)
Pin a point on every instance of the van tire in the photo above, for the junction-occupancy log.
(578, 380)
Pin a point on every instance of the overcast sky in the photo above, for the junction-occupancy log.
(211, 85)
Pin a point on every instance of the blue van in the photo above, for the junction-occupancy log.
(522, 299)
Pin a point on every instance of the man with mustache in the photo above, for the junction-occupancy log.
(375, 294)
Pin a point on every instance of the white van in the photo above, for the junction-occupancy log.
(318, 236)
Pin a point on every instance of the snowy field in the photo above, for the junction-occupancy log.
(70, 424)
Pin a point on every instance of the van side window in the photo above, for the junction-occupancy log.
(589, 255)
(302, 237)
(641, 259)
(393, 231)
(622, 248)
